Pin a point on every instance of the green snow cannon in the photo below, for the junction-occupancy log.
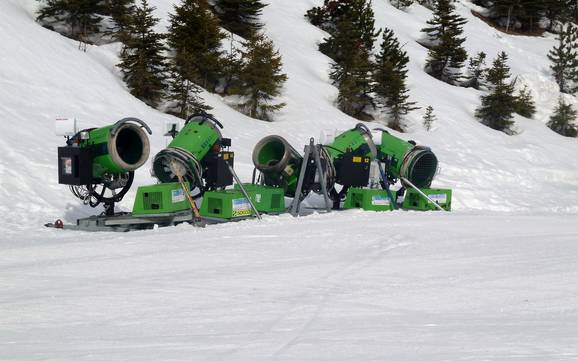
(199, 137)
(407, 161)
(279, 163)
(93, 154)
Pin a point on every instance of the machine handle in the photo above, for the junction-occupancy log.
(125, 120)
(206, 117)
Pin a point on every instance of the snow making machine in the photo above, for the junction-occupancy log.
(353, 169)
(99, 164)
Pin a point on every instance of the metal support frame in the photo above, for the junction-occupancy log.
(422, 194)
(311, 150)
(244, 191)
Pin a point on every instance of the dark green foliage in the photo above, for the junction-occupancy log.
(239, 16)
(564, 60)
(389, 79)
(232, 66)
(121, 12)
(523, 15)
(563, 121)
(446, 54)
(497, 107)
(525, 105)
(80, 17)
(142, 61)
(430, 4)
(355, 86)
(401, 4)
(183, 92)
(428, 118)
(261, 78)
(358, 13)
(195, 38)
(476, 71)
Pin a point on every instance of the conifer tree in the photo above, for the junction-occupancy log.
(526, 13)
(524, 104)
(183, 93)
(194, 36)
(355, 86)
(564, 59)
(563, 121)
(401, 4)
(232, 66)
(261, 77)
(476, 71)
(497, 107)
(428, 118)
(389, 78)
(239, 16)
(142, 60)
(79, 16)
(446, 55)
(121, 12)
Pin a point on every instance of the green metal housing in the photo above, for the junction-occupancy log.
(225, 204)
(160, 199)
(406, 160)
(415, 201)
(188, 148)
(357, 140)
(368, 199)
(265, 198)
(117, 148)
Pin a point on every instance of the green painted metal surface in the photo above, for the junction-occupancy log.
(368, 199)
(414, 201)
(160, 199)
(265, 198)
(353, 140)
(226, 204)
(197, 138)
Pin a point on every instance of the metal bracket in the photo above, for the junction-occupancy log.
(311, 150)
(125, 120)
(244, 191)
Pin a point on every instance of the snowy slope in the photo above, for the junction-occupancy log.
(493, 280)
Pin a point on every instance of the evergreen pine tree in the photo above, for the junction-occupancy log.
(121, 12)
(182, 91)
(446, 55)
(563, 120)
(239, 16)
(476, 71)
(79, 16)
(524, 104)
(354, 96)
(564, 60)
(521, 15)
(401, 4)
(195, 37)
(497, 107)
(428, 118)
(232, 66)
(389, 79)
(261, 78)
(142, 61)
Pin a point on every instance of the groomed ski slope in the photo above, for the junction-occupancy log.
(496, 279)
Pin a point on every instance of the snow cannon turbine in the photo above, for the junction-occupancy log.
(345, 161)
(413, 165)
(195, 151)
(99, 159)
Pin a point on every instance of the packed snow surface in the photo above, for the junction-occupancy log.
(496, 279)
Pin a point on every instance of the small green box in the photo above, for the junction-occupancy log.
(414, 201)
(266, 199)
(226, 204)
(160, 199)
(368, 199)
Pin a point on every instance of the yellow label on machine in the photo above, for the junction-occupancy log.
(356, 159)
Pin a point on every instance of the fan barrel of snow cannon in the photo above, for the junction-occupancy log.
(357, 140)
(403, 159)
(118, 148)
(279, 162)
(198, 137)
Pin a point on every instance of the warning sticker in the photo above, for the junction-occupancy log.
(177, 195)
(67, 165)
(241, 207)
(379, 200)
(439, 198)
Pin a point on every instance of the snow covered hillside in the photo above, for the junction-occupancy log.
(493, 280)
